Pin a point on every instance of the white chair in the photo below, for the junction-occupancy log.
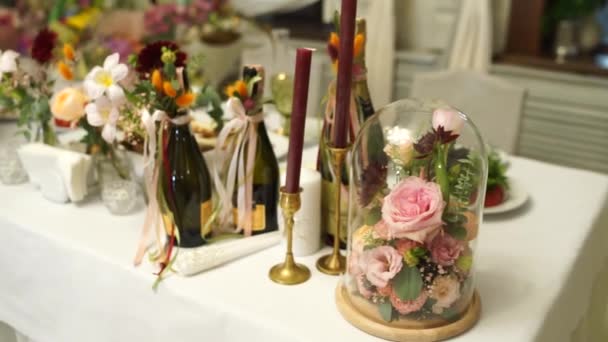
(494, 105)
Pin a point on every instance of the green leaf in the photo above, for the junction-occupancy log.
(457, 232)
(450, 314)
(408, 283)
(455, 218)
(386, 311)
(465, 262)
(374, 215)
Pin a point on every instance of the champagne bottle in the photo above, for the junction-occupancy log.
(186, 186)
(265, 177)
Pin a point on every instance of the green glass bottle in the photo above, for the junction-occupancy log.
(186, 185)
(265, 175)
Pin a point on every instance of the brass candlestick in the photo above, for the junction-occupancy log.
(288, 272)
(335, 263)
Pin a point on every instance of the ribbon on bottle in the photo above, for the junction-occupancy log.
(152, 222)
(239, 169)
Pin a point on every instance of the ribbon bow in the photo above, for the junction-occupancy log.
(245, 127)
(151, 173)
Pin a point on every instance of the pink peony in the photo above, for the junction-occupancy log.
(449, 119)
(381, 264)
(405, 307)
(363, 290)
(413, 209)
(404, 245)
(445, 249)
(445, 290)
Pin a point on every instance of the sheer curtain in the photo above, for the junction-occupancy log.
(472, 44)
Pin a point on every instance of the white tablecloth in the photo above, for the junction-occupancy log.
(67, 274)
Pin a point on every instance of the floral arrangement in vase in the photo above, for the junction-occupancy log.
(412, 242)
(26, 86)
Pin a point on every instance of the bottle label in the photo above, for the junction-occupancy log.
(206, 212)
(259, 217)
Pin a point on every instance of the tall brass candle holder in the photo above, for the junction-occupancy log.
(288, 272)
(335, 263)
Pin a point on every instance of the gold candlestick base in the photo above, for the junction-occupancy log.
(289, 272)
(332, 264)
(335, 263)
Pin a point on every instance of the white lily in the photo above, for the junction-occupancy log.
(8, 61)
(103, 112)
(105, 80)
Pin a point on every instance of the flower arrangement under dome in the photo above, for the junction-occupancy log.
(414, 219)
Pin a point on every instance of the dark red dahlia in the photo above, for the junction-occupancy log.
(44, 43)
(149, 57)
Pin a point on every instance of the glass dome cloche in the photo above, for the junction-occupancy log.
(418, 173)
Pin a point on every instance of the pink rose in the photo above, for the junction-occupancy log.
(413, 209)
(405, 307)
(445, 249)
(381, 264)
(404, 245)
(449, 119)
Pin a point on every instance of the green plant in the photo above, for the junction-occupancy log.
(497, 170)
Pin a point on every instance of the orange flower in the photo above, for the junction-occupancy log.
(185, 100)
(168, 88)
(359, 44)
(65, 71)
(239, 87)
(157, 80)
(334, 39)
(229, 90)
(68, 51)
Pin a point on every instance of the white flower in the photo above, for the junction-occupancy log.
(105, 80)
(8, 61)
(104, 113)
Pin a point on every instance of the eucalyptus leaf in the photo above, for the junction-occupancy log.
(408, 283)
(457, 232)
(373, 216)
(386, 311)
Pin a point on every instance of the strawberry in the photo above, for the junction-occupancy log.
(495, 196)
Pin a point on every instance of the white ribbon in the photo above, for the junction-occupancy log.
(245, 127)
(151, 173)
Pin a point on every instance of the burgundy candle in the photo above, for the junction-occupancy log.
(345, 72)
(298, 119)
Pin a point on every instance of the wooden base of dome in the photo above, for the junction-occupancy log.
(393, 332)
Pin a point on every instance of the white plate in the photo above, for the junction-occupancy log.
(516, 197)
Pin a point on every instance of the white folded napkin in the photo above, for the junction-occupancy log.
(60, 174)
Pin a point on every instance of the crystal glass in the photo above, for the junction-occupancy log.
(11, 169)
(119, 196)
(417, 178)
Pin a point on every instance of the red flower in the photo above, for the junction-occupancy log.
(44, 43)
(149, 57)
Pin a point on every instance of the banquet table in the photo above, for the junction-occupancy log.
(67, 274)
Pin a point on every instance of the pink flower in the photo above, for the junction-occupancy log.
(381, 264)
(445, 249)
(449, 119)
(413, 209)
(363, 290)
(404, 245)
(381, 230)
(445, 290)
(354, 263)
(408, 306)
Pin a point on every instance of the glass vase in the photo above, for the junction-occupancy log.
(413, 219)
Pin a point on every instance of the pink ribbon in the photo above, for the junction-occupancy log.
(152, 222)
(245, 127)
